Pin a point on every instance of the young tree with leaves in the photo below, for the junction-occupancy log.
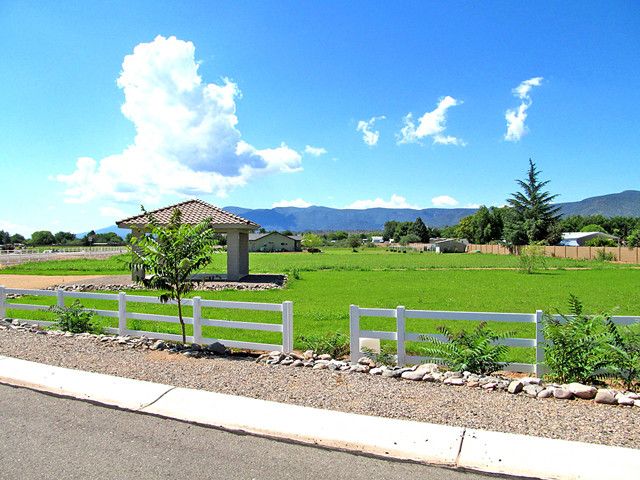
(173, 253)
(533, 216)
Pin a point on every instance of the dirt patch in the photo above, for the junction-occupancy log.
(42, 281)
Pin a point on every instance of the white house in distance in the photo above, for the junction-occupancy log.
(274, 242)
(578, 239)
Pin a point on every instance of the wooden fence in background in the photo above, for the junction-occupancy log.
(621, 254)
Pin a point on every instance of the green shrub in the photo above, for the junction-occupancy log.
(601, 242)
(531, 259)
(475, 351)
(577, 345)
(386, 356)
(624, 354)
(74, 319)
(603, 256)
(295, 273)
(335, 344)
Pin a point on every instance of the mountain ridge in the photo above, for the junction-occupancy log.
(316, 218)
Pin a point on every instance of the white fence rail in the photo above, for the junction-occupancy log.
(401, 336)
(197, 320)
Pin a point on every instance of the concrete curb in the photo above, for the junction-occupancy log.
(478, 450)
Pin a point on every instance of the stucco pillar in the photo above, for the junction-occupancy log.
(237, 255)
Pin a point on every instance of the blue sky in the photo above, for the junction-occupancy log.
(265, 103)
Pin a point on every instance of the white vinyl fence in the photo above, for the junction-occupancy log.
(401, 336)
(197, 320)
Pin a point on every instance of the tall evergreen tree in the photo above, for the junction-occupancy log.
(533, 216)
(420, 230)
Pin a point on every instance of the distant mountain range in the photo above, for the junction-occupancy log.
(625, 203)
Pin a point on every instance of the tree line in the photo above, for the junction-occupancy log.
(528, 218)
(66, 239)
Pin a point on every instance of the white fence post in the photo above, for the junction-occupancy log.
(197, 316)
(122, 313)
(539, 369)
(354, 332)
(60, 297)
(3, 302)
(401, 331)
(287, 326)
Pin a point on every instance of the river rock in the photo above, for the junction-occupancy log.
(532, 390)
(515, 386)
(562, 393)
(308, 355)
(545, 393)
(458, 381)
(413, 375)
(585, 392)
(324, 356)
(624, 400)
(605, 396)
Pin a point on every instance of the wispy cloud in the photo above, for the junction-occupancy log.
(14, 228)
(314, 151)
(113, 212)
(186, 142)
(444, 201)
(396, 201)
(516, 118)
(369, 136)
(431, 125)
(298, 202)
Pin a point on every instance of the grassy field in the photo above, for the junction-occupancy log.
(330, 282)
(333, 259)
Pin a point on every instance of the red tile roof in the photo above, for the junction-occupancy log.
(193, 212)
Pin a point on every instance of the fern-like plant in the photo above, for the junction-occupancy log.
(624, 359)
(577, 345)
(476, 351)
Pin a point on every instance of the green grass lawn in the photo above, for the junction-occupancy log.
(332, 259)
(330, 282)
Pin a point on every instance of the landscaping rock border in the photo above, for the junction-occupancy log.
(429, 372)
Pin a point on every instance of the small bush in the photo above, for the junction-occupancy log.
(74, 319)
(603, 256)
(295, 273)
(577, 345)
(601, 242)
(624, 354)
(474, 351)
(386, 356)
(531, 259)
(335, 344)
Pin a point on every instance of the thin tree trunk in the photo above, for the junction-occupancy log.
(184, 336)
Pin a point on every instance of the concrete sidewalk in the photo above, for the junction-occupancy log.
(477, 450)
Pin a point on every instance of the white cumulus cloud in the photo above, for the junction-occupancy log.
(298, 202)
(369, 135)
(516, 118)
(431, 125)
(314, 151)
(187, 142)
(444, 201)
(396, 201)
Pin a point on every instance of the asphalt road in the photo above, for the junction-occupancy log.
(47, 437)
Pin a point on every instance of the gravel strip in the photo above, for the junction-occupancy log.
(358, 393)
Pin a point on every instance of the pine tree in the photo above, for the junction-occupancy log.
(420, 230)
(533, 215)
